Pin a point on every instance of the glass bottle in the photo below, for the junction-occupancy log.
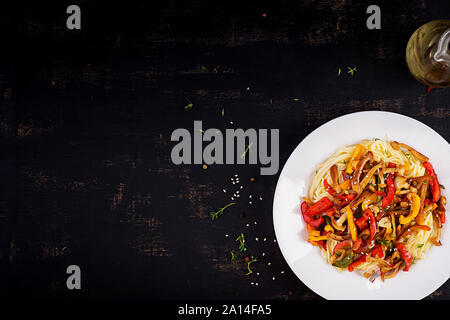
(428, 53)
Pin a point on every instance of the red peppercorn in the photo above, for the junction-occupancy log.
(247, 259)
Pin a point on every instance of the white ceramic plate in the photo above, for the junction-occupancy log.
(425, 276)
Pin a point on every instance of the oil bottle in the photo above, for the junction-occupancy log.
(428, 53)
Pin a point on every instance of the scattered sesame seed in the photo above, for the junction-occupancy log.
(226, 235)
(242, 187)
(264, 239)
(256, 283)
(247, 225)
(232, 198)
(237, 191)
(257, 273)
(248, 88)
(236, 175)
(237, 196)
(274, 240)
(273, 278)
(260, 198)
(224, 190)
(282, 272)
(269, 263)
(250, 196)
(234, 182)
(263, 254)
(256, 239)
(249, 202)
(255, 222)
(252, 283)
(231, 122)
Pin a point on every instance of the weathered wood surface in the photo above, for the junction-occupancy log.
(86, 118)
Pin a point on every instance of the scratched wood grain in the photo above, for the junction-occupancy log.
(86, 118)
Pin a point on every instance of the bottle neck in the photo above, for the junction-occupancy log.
(442, 54)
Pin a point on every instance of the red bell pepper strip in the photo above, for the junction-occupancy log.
(391, 165)
(390, 192)
(407, 257)
(328, 187)
(330, 212)
(357, 263)
(372, 223)
(346, 198)
(357, 244)
(377, 251)
(434, 183)
(322, 244)
(319, 207)
(341, 245)
(309, 219)
(362, 222)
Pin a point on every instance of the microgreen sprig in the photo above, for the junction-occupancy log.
(249, 262)
(242, 243)
(189, 105)
(246, 150)
(215, 215)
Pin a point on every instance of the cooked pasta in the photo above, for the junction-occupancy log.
(374, 207)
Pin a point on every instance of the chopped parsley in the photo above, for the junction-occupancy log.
(233, 256)
(420, 245)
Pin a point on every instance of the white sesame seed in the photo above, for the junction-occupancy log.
(224, 190)
(249, 202)
(263, 254)
(234, 182)
(237, 191)
(231, 122)
(242, 187)
(268, 263)
(264, 239)
(257, 273)
(226, 235)
(274, 240)
(237, 196)
(247, 225)
(248, 88)
(236, 175)
(256, 239)
(273, 278)
(282, 272)
(232, 198)
(256, 283)
(255, 222)
(252, 283)
(260, 198)
(250, 196)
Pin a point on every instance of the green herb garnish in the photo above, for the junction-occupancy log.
(339, 72)
(351, 70)
(253, 259)
(218, 213)
(222, 112)
(204, 69)
(346, 191)
(420, 245)
(296, 99)
(270, 101)
(242, 243)
(233, 256)
(189, 105)
(246, 150)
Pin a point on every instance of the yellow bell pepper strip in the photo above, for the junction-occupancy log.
(415, 207)
(313, 238)
(357, 153)
(351, 223)
(393, 223)
(346, 184)
(329, 228)
(368, 201)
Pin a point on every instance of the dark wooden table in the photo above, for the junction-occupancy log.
(86, 118)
